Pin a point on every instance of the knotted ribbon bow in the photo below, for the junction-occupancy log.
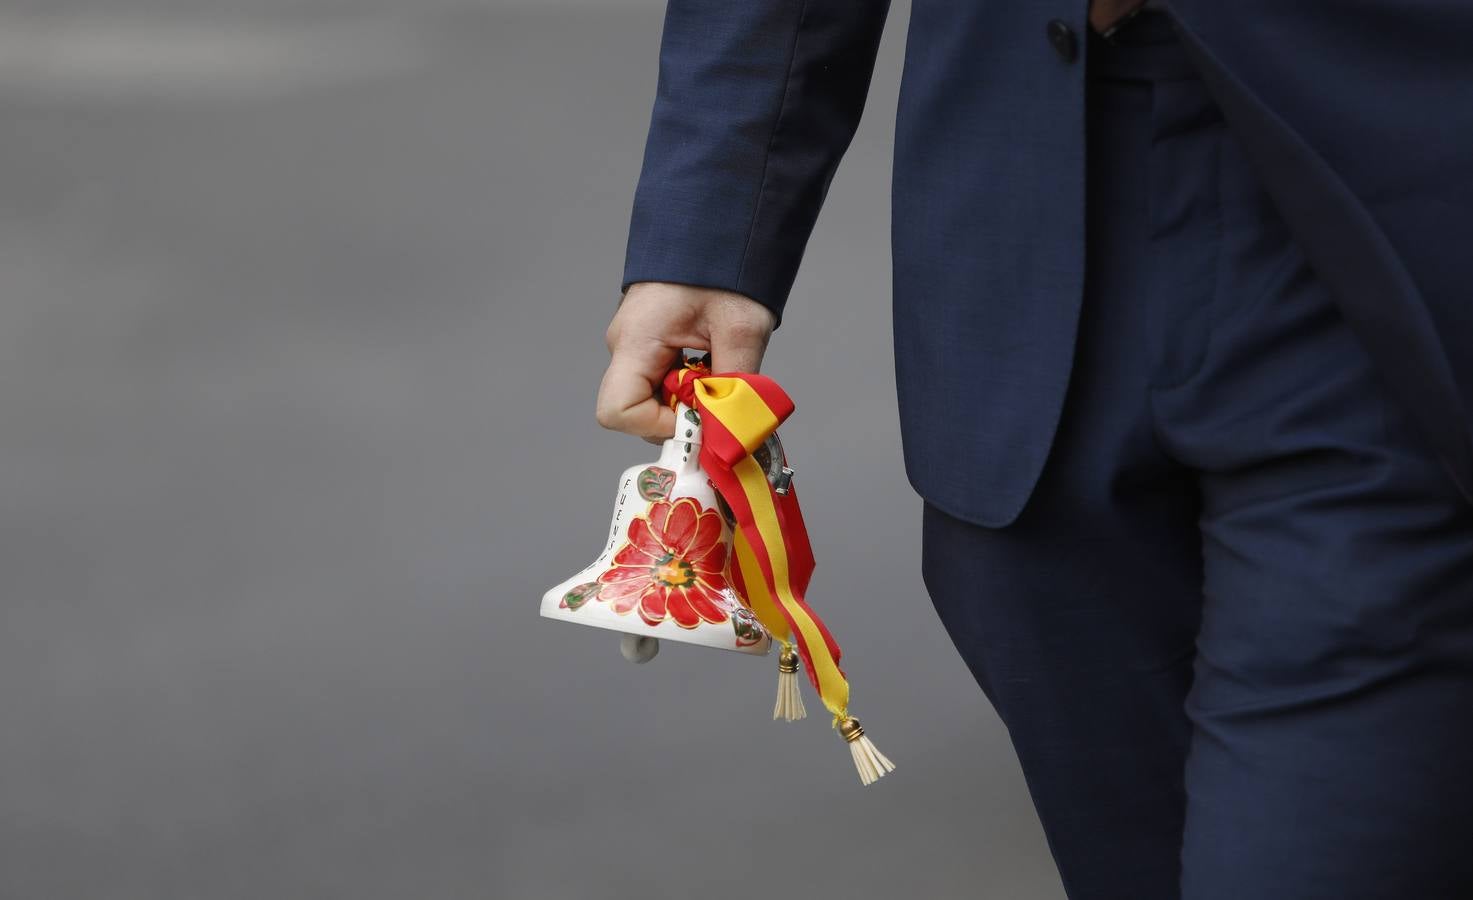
(772, 558)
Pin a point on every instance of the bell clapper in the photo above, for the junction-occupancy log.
(789, 706)
(871, 763)
(638, 648)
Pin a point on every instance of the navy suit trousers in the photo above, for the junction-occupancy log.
(1231, 633)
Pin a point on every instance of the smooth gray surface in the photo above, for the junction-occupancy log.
(302, 319)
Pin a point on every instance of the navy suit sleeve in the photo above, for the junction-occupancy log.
(757, 101)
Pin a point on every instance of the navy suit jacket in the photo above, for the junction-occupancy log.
(1357, 114)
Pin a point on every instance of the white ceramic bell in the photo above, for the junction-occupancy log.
(663, 572)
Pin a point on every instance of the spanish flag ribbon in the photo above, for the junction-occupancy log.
(772, 557)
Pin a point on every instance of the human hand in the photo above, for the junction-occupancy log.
(655, 321)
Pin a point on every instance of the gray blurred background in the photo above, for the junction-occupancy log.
(301, 316)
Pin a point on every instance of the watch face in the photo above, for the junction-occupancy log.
(770, 457)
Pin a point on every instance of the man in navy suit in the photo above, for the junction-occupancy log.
(1181, 328)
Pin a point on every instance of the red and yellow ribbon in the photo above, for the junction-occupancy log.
(773, 559)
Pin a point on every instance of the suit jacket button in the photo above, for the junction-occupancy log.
(1063, 39)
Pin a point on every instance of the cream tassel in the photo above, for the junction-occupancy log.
(871, 763)
(789, 706)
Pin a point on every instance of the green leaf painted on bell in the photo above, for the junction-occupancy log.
(744, 624)
(655, 483)
(579, 595)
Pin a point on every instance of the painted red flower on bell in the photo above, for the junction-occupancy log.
(672, 566)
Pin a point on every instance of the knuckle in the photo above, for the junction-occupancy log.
(745, 329)
(742, 315)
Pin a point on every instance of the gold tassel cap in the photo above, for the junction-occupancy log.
(789, 706)
(871, 763)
